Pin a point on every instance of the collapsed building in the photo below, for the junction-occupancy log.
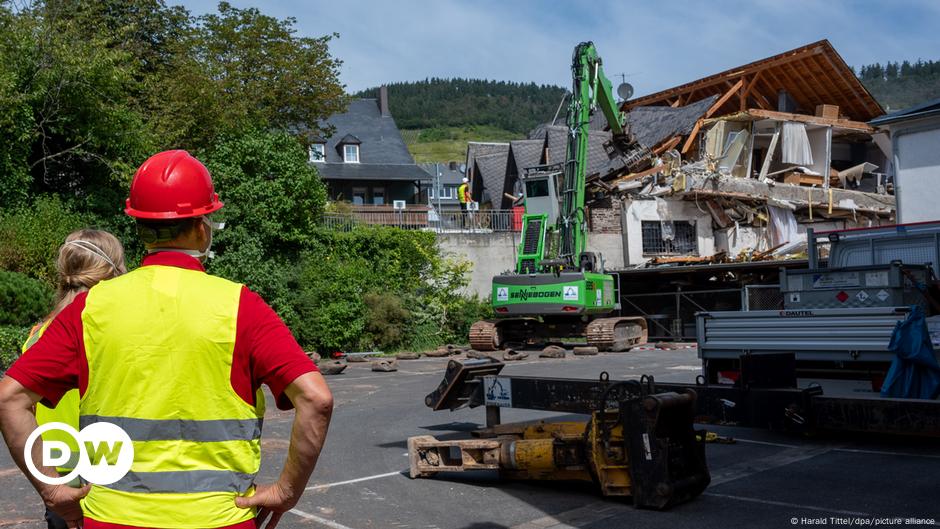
(746, 160)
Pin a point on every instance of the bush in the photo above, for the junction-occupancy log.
(11, 340)
(269, 190)
(30, 237)
(386, 322)
(23, 300)
(382, 288)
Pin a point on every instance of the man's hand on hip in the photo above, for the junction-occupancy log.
(272, 501)
(64, 501)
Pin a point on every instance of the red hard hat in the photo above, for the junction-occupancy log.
(172, 185)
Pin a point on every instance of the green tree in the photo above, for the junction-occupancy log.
(268, 76)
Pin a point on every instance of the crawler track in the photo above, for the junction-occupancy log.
(616, 334)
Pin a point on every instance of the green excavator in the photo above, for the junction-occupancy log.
(559, 290)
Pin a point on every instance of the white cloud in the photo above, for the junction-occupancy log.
(658, 44)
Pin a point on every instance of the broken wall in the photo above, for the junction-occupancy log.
(637, 211)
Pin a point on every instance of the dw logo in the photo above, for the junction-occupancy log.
(105, 453)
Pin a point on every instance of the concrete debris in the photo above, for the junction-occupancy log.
(385, 365)
(439, 352)
(356, 358)
(510, 355)
(407, 356)
(331, 367)
(585, 351)
(552, 351)
(313, 355)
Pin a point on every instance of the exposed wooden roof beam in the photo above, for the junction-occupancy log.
(815, 120)
(793, 55)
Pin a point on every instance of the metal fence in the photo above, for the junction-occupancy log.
(485, 221)
(762, 297)
(671, 315)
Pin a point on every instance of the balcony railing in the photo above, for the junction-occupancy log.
(486, 221)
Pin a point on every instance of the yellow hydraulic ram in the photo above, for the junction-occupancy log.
(645, 447)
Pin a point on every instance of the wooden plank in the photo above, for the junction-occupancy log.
(634, 176)
(721, 101)
(692, 135)
(676, 102)
(770, 154)
(718, 213)
(671, 144)
(815, 120)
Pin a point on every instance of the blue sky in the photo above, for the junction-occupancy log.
(658, 44)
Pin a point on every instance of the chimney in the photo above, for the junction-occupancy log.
(383, 100)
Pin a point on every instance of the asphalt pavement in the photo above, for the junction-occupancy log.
(765, 479)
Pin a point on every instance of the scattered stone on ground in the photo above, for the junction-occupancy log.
(473, 353)
(552, 351)
(585, 351)
(313, 356)
(407, 356)
(439, 352)
(356, 358)
(331, 367)
(457, 349)
(510, 355)
(385, 366)
(666, 346)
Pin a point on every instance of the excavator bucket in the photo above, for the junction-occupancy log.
(667, 457)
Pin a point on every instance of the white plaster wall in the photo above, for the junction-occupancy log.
(492, 254)
(637, 211)
(918, 174)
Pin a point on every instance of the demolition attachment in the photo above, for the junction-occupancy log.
(635, 444)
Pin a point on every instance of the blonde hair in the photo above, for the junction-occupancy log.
(86, 257)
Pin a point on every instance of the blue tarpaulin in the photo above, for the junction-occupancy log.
(915, 372)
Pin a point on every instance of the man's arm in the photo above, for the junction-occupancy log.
(313, 405)
(17, 421)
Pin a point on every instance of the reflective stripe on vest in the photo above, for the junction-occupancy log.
(159, 343)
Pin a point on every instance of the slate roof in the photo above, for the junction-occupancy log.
(652, 125)
(383, 154)
(556, 142)
(526, 153)
(448, 175)
(491, 171)
(923, 110)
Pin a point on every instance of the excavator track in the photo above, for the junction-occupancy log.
(490, 335)
(616, 334)
(485, 336)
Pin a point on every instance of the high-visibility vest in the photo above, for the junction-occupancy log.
(462, 193)
(66, 411)
(159, 342)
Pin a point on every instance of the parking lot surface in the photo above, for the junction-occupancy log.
(764, 479)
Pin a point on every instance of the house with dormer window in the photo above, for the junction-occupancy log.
(365, 161)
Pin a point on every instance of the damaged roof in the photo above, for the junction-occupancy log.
(653, 125)
(812, 75)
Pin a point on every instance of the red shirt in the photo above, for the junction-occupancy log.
(265, 353)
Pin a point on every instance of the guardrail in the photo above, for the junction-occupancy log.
(485, 221)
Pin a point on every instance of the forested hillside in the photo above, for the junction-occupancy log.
(901, 85)
(436, 103)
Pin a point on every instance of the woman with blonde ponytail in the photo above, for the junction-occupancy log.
(86, 258)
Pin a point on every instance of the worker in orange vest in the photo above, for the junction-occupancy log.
(176, 358)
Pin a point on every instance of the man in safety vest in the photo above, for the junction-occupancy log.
(463, 194)
(176, 358)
